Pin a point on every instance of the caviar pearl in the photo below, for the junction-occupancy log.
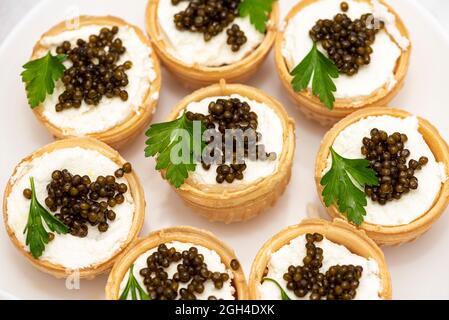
(389, 157)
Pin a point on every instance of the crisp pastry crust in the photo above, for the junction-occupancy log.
(182, 234)
(394, 235)
(197, 76)
(135, 188)
(312, 107)
(134, 125)
(338, 232)
(217, 203)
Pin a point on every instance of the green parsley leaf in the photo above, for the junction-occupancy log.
(258, 12)
(284, 294)
(135, 288)
(344, 183)
(36, 235)
(323, 70)
(165, 138)
(40, 76)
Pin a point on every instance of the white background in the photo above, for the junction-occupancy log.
(419, 270)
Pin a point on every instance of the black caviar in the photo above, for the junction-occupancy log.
(81, 201)
(227, 115)
(95, 71)
(192, 274)
(211, 17)
(338, 283)
(389, 158)
(236, 37)
(347, 42)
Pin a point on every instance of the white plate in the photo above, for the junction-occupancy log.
(419, 270)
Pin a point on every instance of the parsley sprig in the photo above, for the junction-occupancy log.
(166, 138)
(134, 287)
(344, 183)
(36, 235)
(284, 294)
(258, 12)
(40, 76)
(323, 70)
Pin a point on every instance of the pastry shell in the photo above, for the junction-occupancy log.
(241, 203)
(338, 232)
(134, 125)
(311, 106)
(135, 188)
(391, 235)
(197, 76)
(181, 234)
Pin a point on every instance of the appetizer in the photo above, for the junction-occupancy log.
(319, 260)
(73, 205)
(386, 171)
(100, 79)
(335, 57)
(180, 263)
(235, 147)
(203, 41)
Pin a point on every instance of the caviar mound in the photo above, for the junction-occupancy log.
(338, 232)
(198, 76)
(119, 135)
(180, 234)
(391, 235)
(311, 106)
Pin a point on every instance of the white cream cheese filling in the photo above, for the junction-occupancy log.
(211, 258)
(191, 48)
(386, 49)
(67, 250)
(333, 254)
(417, 202)
(270, 126)
(109, 112)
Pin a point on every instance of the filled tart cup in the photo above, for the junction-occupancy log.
(196, 74)
(65, 254)
(337, 233)
(350, 99)
(172, 237)
(396, 232)
(112, 121)
(244, 199)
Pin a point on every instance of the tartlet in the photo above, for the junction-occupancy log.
(230, 204)
(134, 187)
(125, 131)
(196, 76)
(397, 234)
(186, 235)
(338, 232)
(311, 106)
